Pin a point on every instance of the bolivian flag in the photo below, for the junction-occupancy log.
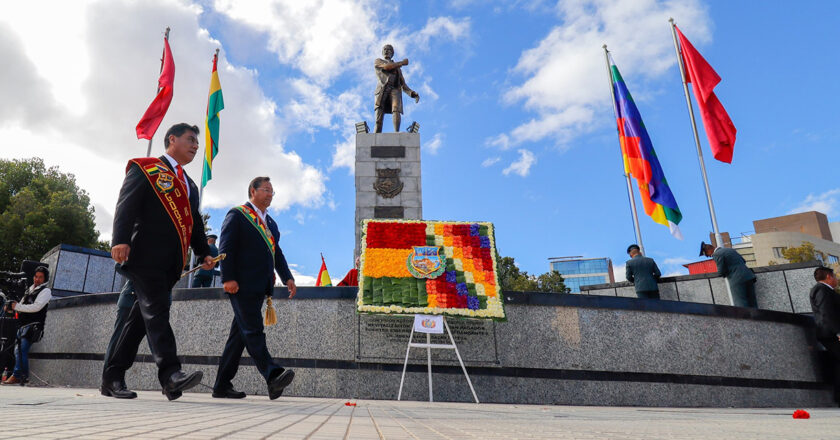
(215, 104)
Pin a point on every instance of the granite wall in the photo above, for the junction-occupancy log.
(553, 349)
(782, 287)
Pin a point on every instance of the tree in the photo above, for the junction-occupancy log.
(803, 253)
(39, 209)
(511, 278)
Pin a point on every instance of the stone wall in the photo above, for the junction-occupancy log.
(783, 287)
(553, 349)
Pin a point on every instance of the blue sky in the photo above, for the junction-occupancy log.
(516, 121)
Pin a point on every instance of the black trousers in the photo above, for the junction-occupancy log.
(648, 294)
(743, 294)
(246, 331)
(832, 345)
(149, 317)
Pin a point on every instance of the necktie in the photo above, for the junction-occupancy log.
(182, 178)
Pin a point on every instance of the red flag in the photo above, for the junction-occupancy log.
(719, 128)
(150, 121)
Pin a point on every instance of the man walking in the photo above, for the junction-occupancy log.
(825, 303)
(741, 279)
(643, 273)
(155, 222)
(249, 238)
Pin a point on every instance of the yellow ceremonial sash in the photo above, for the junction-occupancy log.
(255, 221)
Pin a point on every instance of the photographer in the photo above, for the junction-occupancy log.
(32, 312)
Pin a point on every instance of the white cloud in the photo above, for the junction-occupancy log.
(825, 203)
(619, 273)
(115, 67)
(521, 166)
(434, 145)
(564, 77)
(490, 161)
(677, 261)
(443, 27)
(300, 279)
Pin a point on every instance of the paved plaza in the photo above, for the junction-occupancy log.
(63, 413)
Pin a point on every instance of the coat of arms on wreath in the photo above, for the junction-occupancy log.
(388, 182)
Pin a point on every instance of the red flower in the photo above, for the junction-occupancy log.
(801, 414)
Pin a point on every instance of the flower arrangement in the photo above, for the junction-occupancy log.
(429, 267)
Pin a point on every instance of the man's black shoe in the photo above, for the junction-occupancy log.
(180, 381)
(229, 393)
(276, 385)
(116, 388)
(172, 395)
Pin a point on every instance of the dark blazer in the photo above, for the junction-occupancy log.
(731, 264)
(249, 261)
(141, 221)
(643, 273)
(825, 303)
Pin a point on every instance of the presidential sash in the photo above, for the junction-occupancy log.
(172, 193)
(255, 220)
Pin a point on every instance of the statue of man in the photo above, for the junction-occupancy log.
(390, 88)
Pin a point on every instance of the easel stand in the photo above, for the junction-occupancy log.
(429, 346)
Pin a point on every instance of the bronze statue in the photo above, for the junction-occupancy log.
(390, 88)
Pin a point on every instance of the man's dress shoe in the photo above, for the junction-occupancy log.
(229, 393)
(116, 388)
(180, 381)
(276, 385)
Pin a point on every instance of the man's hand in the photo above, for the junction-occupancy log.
(11, 305)
(292, 288)
(120, 253)
(416, 97)
(209, 264)
(404, 62)
(231, 287)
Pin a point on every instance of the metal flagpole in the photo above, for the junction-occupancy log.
(712, 214)
(157, 90)
(626, 175)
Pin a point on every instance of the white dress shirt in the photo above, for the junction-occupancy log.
(40, 301)
(174, 163)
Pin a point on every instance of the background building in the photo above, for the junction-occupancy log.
(764, 246)
(579, 271)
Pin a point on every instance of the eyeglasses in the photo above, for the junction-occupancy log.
(266, 190)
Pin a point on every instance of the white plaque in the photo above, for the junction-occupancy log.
(428, 323)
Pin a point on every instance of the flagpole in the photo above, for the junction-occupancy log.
(157, 90)
(712, 214)
(630, 195)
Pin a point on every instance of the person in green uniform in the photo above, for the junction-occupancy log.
(741, 279)
(643, 273)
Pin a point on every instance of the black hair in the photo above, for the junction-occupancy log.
(633, 246)
(178, 130)
(44, 271)
(822, 272)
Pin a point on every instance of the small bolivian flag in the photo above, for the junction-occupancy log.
(323, 276)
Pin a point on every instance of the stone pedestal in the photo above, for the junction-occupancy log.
(387, 178)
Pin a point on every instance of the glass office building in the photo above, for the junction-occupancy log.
(579, 271)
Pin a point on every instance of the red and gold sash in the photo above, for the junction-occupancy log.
(172, 193)
(255, 220)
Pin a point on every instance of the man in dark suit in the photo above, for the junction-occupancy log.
(155, 223)
(741, 279)
(249, 238)
(643, 273)
(204, 278)
(825, 303)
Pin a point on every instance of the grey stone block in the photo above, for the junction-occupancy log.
(366, 169)
(411, 199)
(626, 292)
(412, 153)
(668, 291)
(695, 291)
(387, 139)
(393, 201)
(410, 139)
(413, 213)
(69, 273)
(365, 140)
(800, 282)
(601, 292)
(771, 292)
(365, 198)
(99, 275)
(719, 292)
